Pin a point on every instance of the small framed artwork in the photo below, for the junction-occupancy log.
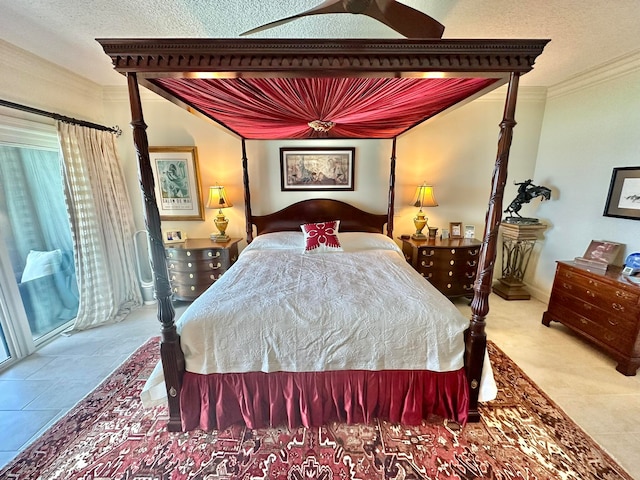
(177, 182)
(173, 236)
(455, 229)
(310, 169)
(623, 200)
(602, 251)
(469, 231)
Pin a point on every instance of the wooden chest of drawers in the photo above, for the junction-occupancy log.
(602, 307)
(450, 265)
(198, 262)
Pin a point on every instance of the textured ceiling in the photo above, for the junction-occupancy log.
(584, 33)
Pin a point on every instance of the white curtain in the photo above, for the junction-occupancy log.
(101, 225)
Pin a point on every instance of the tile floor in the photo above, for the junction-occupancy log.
(37, 391)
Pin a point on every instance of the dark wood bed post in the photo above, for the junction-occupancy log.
(247, 193)
(476, 338)
(392, 190)
(170, 351)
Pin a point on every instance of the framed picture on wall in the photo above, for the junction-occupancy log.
(313, 169)
(623, 200)
(177, 182)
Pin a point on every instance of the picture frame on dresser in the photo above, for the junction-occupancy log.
(171, 237)
(455, 230)
(176, 178)
(317, 168)
(623, 199)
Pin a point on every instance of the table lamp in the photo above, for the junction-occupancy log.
(424, 198)
(218, 199)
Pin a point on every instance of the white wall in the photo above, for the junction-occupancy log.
(590, 126)
(29, 80)
(456, 153)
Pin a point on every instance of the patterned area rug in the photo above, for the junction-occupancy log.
(108, 435)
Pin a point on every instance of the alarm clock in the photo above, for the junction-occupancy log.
(632, 264)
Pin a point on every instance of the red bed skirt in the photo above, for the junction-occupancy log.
(257, 399)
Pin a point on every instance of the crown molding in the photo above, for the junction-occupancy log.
(525, 94)
(616, 68)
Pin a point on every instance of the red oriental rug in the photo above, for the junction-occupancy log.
(109, 435)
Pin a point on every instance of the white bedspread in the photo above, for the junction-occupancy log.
(279, 309)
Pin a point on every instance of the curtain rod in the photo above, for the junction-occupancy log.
(56, 116)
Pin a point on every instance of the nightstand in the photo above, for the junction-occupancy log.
(449, 265)
(198, 262)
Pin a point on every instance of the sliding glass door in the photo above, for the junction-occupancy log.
(39, 290)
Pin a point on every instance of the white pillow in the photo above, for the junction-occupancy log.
(358, 241)
(41, 264)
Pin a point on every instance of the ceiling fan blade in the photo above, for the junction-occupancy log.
(405, 20)
(329, 6)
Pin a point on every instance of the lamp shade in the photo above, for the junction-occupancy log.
(218, 198)
(425, 196)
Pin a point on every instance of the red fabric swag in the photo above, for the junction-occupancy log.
(278, 108)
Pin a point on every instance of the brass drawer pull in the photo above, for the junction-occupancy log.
(452, 262)
(473, 253)
(613, 323)
(450, 273)
(625, 295)
(191, 275)
(215, 267)
(427, 276)
(189, 264)
(210, 254)
(618, 307)
(193, 288)
(586, 306)
(472, 263)
(425, 264)
(188, 253)
(591, 294)
(470, 274)
(469, 287)
(170, 254)
(430, 254)
(453, 251)
(567, 286)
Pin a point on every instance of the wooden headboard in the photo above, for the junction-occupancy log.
(352, 219)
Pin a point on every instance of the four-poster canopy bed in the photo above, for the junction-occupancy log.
(313, 88)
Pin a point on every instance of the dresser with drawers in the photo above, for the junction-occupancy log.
(196, 263)
(603, 307)
(450, 265)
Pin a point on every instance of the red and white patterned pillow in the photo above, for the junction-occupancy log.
(321, 237)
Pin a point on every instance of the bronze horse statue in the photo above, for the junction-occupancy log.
(527, 191)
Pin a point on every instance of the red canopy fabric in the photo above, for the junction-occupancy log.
(280, 108)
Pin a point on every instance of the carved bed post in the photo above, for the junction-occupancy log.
(247, 193)
(170, 351)
(476, 338)
(392, 190)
